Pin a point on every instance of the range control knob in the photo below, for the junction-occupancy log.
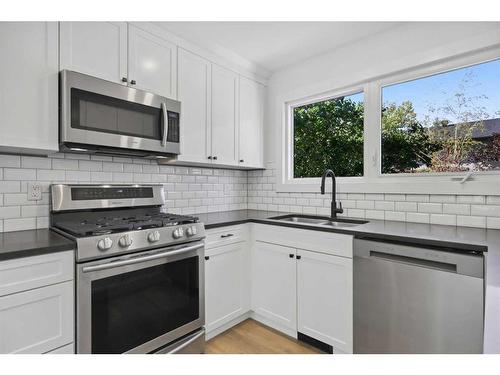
(178, 233)
(105, 243)
(125, 241)
(154, 236)
(191, 231)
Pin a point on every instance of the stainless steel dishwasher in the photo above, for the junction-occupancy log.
(417, 300)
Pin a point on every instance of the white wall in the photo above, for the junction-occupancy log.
(391, 51)
(385, 53)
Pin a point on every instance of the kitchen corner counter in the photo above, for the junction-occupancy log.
(27, 243)
(452, 237)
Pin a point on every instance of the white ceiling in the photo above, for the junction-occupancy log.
(274, 45)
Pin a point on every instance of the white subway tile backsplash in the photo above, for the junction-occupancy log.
(418, 217)
(435, 208)
(386, 206)
(395, 216)
(367, 205)
(406, 206)
(19, 174)
(11, 161)
(35, 162)
(471, 221)
(10, 212)
(456, 209)
(50, 175)
(474, 199)
(10, 225)
(418, 197)
(188, 190)
(486, 210)
(443, 198)
(493, 223)
(65, 164)
(198, 190)
(395, 197)
(443, 219)
(86, 165)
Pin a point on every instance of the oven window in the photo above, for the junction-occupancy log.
(133, 308)
(91, 111)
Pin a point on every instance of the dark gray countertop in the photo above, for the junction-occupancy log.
(27, 243)
(454, 238)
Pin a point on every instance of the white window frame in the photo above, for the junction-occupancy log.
(373, 181)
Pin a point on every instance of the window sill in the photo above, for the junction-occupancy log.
(399, 184)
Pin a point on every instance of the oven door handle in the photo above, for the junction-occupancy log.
(141, 259)
(187, 343)
(165, 124)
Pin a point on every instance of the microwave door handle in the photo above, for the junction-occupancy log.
(141, 259)
(165, 124)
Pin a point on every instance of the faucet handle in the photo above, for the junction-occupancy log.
(340, 209)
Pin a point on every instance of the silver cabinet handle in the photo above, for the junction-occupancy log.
(165, 124)
(141, 259)
(183, 345)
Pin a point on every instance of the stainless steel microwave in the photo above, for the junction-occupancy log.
(102, 117)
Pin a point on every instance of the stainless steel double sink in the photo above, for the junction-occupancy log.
(319, 220)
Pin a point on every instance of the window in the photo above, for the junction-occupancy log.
(448, 122)
(328, 134)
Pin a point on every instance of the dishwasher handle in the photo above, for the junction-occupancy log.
(442, 266)
(442, 260)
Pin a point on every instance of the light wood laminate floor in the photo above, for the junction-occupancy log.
(252, 337)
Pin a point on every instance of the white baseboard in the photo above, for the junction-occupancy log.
(287, 331)
(217, 331)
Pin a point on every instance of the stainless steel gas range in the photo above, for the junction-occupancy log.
(139, 270)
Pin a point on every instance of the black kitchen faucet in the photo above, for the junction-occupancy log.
(335, 210)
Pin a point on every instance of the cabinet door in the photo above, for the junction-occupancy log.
(251, 118)
(193, 79)
(37, 321)
(324, 297)
(95, 48)
(152, 63)
(224, 116)
(274, 285)
(226, 285)
(28, 87)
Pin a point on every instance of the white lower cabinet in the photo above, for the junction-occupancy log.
(38, 320)
(226, 285)
(37, 304)
(292, 289)
(274, 285)
(324, 299)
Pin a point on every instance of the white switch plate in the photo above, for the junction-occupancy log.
(34, 191)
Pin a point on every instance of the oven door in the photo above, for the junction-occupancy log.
(140, 303)
(98, 113)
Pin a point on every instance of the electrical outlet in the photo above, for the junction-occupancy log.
(34, 191)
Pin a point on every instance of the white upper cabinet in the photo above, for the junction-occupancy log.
(28, 87)
(152, 63)
(194, 76)
(324, 297)
(224, 116)
(251, 119)
(95, 48)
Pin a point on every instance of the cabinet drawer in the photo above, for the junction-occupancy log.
(18, 275)
(224, 236)
(314, 240)
(37, 321)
